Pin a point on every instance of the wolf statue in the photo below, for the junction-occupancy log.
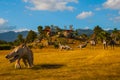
(21, 52)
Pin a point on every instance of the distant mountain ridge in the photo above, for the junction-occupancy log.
(11, 35)
(85, 31)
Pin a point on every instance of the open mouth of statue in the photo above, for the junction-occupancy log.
(14, 58)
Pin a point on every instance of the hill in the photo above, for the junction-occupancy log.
(11, 35)
(85, 31)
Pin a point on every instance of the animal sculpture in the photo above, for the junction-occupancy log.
(93, 44)
(21, 52)
(82, 45)
(64, 47)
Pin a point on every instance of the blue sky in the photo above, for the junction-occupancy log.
(19, 15)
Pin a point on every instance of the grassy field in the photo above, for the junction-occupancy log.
(53, 64)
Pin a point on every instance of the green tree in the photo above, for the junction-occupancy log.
(103, 35)
(40, 33)
(57, 29)
(40, 29)
(47, 28)
(97, 30)
(3, 42)
(115, 34)
(31, 36)
(20, 38)
(84, 37)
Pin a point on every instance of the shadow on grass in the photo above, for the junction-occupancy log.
(47, 66)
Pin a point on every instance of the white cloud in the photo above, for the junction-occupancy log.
(107, 29)
(84, 15)
(3, 21)
(21, 29)
(115, 19)
(98, 9)
(87, 27)
(50, 5)
(112, 4)
(119, 12)
(25, 0)
(7, 28)
(4, 27)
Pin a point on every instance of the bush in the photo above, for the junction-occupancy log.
(5, 47)
(56, 44)
(40, 46)
(30, 46)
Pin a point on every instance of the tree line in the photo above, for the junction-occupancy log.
(48, 31)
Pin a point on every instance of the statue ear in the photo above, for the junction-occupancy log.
(23, 45)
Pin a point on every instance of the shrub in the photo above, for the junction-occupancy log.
(5, 47)
(30, 46)
(56, 44)
(40, 46)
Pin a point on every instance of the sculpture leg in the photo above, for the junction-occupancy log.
(25, 62)
(30, 62)
(17, 64)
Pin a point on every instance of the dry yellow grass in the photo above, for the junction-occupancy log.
(52, 64)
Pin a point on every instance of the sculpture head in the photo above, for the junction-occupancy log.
(14, 54)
